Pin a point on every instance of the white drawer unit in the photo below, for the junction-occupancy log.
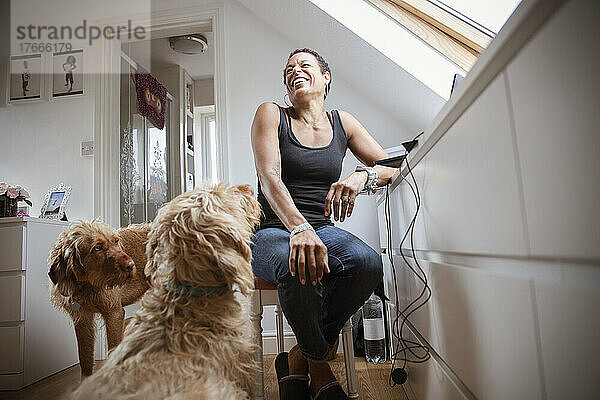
(36, 340)
(12, 298)
(11, 348)
(12, 246)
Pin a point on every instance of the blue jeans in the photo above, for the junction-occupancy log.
(318, 313)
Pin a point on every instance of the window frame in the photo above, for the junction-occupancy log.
(454, 38)
(209, 160)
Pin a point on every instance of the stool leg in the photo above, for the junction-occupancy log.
(280, 336)
(349, 360)
(255, 318)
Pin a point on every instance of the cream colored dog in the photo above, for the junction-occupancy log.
(191, 338)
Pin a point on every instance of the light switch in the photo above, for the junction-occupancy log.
(87, 148)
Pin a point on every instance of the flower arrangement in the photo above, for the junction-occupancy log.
(9, 197)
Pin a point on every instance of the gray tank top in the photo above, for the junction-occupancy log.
(307, 172)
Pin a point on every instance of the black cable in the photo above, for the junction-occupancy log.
(399, 331)
(426, 288)
(403, 345)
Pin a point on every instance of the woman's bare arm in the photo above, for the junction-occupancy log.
(342, 193)
(265, 145)
(365, 148)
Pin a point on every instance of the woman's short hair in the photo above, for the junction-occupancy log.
(323, 66)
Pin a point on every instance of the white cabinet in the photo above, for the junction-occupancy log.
(36, 340)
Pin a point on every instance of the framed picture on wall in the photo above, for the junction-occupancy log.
(55, 202)
(25, 78)
(67, 74)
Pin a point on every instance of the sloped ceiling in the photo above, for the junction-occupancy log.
(381, 80)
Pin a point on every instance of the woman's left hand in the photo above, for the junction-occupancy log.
(343, 193)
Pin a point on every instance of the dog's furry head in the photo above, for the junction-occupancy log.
(202, 238)
(88, 252)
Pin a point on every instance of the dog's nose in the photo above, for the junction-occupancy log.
(129, 266)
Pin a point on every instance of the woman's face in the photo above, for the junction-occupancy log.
(303, 76)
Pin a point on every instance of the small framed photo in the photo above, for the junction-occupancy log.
(67, 74)
(55, 202)
(25, 78)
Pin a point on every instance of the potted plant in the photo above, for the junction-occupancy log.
(9, 197)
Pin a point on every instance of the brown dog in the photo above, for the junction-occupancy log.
(97, 269)
(191, 337)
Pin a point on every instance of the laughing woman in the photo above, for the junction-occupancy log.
(323, 273)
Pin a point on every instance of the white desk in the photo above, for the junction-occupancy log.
(36, 340)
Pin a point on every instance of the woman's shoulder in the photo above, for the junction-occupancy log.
(268, 106)
(345, 115)
(348, 121)
(267, 114)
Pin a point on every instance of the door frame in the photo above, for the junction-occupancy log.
(106, 113)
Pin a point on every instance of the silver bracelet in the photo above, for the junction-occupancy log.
(301, 228)
(371, 183)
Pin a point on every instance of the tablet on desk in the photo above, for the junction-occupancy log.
(394, 162)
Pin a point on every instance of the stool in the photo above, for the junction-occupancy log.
(265, 294)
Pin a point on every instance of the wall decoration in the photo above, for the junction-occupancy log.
(55, 202)
(151, 96)
(67, 73)
(25, 77)
(129, 175)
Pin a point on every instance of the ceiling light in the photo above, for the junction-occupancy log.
(189, 44)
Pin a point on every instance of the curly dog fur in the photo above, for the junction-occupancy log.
(181, 346)
(97, 269)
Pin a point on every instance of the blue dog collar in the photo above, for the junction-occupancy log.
(197, 290)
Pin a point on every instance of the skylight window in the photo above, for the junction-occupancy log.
(489, 15)
(431, 39)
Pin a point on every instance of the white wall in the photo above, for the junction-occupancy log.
(378, 79)
(204, 92)
(508, 234)
(40, 148)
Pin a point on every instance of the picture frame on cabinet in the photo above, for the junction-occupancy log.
(55, 202)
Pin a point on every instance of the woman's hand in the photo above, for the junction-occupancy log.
(307, 249)
(345, 192)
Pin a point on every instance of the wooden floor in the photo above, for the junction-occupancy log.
(372, 380)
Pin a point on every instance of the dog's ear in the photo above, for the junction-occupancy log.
(57, 266)
(64, 260)
(73, 258)
(234, 265)
(56, 260)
